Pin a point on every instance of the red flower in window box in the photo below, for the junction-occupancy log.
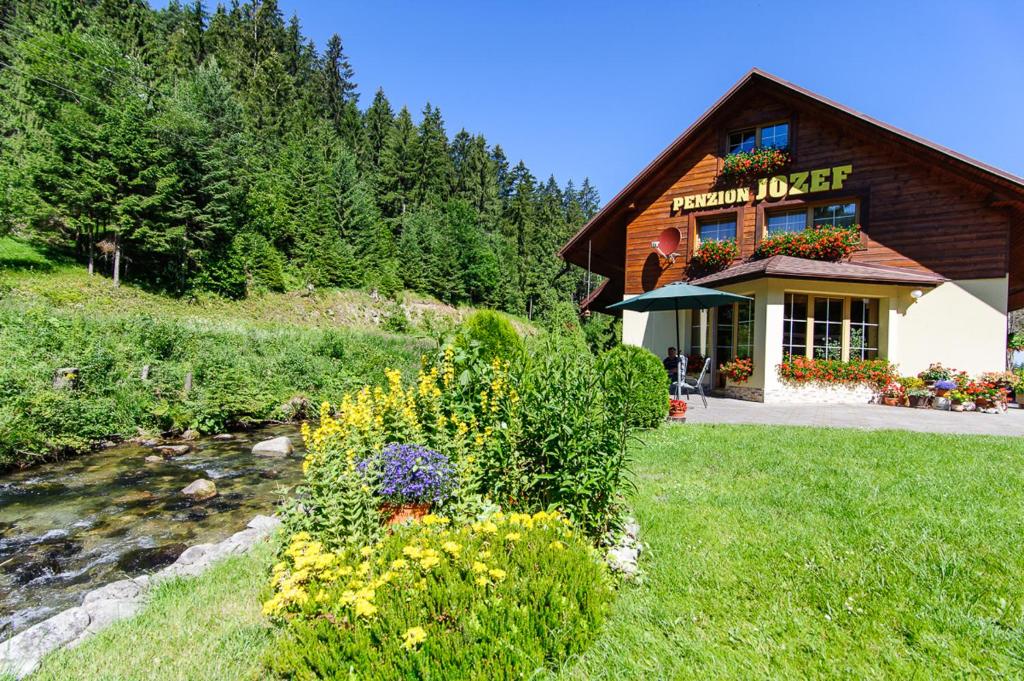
(713, 256)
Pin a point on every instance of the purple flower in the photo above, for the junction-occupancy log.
(945, 385)
(413, 474)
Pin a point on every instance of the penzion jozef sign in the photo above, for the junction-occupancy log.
(775, 187)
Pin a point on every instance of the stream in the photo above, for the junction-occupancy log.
(69, 527)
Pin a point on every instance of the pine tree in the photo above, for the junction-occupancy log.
(433, 162)
(399, 172)
(378, 123)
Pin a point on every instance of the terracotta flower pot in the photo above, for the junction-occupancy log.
(400, 513)
(982, 403)
(941, 392)
(891, 401)
(677, 409)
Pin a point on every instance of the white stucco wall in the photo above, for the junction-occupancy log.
(961, 324)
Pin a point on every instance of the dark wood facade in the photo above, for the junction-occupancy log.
(920, 206)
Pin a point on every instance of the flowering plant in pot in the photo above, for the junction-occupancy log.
(713, 256)
(985, 394)
(740, 166)
(893, 393)
(738, 369)
(411, 478)
(829, 243)
(943, 387)
(677, 409)
(936, 372)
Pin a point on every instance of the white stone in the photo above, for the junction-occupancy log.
(125, 589)
(20, 654)
(279, 446)
(266, 523)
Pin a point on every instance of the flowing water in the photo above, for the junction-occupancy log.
(69, 527)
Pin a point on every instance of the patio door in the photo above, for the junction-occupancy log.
(724, 337)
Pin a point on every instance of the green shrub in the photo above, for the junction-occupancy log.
(636, 384)
(500, 598)
(573, 440)
(492, 331)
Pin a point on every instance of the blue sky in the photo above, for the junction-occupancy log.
(599, 88)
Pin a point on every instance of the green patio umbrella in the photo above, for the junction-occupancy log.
(678, 296)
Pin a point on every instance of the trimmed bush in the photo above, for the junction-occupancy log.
(636, 384)
(493, 331)
(500, 598)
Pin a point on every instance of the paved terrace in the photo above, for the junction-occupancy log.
(865, 416)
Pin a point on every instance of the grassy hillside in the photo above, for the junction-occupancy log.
(248, 359)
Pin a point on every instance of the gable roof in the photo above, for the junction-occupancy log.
(789, 267)
(981, 172)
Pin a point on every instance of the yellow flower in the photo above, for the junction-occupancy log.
(413, 552)
(398, 564)
(497, 573)
(485, 554)
(428, 562)
(365, 551)
(512, 536)
(482, 581)
(556, 545)
(452, 548)
(365, 608)
(479, 567)
(413, 637)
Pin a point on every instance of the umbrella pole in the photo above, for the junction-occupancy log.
(679, 353)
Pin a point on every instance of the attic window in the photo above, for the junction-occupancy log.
(742, 140)
(771, 135)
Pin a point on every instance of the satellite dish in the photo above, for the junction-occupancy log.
(667, 243)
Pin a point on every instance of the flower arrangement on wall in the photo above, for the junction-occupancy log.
(829, 243)
(738, 369)
(713, 256)
(741, 166)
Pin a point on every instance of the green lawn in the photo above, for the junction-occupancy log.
(774, 553)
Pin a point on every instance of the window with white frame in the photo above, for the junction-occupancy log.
(794, 321)
(716, 229)
(786, 221)
(828, 328)
(775, 135)
(831, 327)
(838, 214)
(863, 340)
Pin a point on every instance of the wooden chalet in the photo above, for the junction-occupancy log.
(940, 262)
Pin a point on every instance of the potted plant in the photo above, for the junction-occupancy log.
(919, 397)
(934, 373)
(985, 394)
(738, 370)
(677, 410)
(943, 387)
(410, 479)
(893, 393)
(958, 400)
(1018, 385)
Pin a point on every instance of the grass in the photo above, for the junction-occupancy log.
(810, 553)
(206, 628)
(774, 553)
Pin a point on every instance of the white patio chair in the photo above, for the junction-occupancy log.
(687, 386)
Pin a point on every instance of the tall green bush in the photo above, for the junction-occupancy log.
(492, 331)
(636, 385)
(573, 439)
